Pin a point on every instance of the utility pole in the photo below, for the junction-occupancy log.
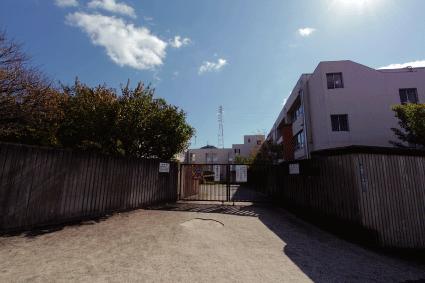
(220, 127)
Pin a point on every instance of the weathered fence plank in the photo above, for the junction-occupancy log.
(45, 186)
(380, 192)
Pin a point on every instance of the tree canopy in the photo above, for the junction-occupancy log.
(269, 153)
(129, 123)
(412, 122)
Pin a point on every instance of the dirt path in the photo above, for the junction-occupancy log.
(188, 243)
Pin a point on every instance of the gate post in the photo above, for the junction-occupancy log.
(227, 182)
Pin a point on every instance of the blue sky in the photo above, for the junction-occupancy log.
(243, 54)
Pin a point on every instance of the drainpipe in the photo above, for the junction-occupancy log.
(305, 123)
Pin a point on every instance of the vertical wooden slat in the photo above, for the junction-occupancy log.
(386, 192)
(394, 187)
(103, 191)
(88, 196)
(74, 188)
(145, 182)
(41, 186)
(13, 184)
(102, 185)
(97, 185)
(413, 228)
(66, 184)
(112, 170)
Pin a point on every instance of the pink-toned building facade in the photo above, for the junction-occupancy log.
(343, 103)
(211, 154)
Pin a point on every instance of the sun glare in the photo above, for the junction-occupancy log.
(359, 5)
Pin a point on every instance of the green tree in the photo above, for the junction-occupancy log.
(245, 160)
(133, 124)
(269, 153)
(90, 115)
(149, 127)
(412, 122)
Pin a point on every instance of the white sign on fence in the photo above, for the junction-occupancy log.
(217, 173)
(241, 173)
(164, 167)
(294, 169)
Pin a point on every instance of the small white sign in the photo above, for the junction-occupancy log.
(164, 167)
(217, 170)
(294, 169)
(241, 173)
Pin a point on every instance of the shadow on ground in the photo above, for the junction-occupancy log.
(47, 229)
(320, 255)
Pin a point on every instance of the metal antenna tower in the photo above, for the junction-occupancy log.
(220, 127)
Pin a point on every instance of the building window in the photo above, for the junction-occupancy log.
(299, 140)
(339, 123)
(259, 142)
(334, 80)
(237, 151)
(249, 140)
(211, 157)
(192, 157)
(297, 111)
(408, 95)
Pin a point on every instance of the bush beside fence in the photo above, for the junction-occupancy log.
(45, 186)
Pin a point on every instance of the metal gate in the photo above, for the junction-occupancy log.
(221, 182)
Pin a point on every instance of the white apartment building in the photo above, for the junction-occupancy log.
(343, 103)
(210, 154)
(251, 144)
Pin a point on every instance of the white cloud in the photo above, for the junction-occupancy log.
(212, 66)
(125, 44)
(414, 64)
(112, 6)
(66, 3)
(305, 32)
(178, 41)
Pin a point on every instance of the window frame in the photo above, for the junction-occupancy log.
(405, 92)
(297, 110)
(211, 157)
(334, 85)
(337, 123)
(299, 140)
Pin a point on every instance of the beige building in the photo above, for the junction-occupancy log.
(343, 103)
(210, 154)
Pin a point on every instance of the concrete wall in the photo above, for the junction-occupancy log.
(226, 155)
(367, 98)
(250, 145)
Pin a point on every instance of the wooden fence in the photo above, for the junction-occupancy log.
(380, 192)
(44, 186)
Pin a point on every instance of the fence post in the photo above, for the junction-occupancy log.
(180, 182)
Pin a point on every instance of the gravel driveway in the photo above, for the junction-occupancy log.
(196, 243)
